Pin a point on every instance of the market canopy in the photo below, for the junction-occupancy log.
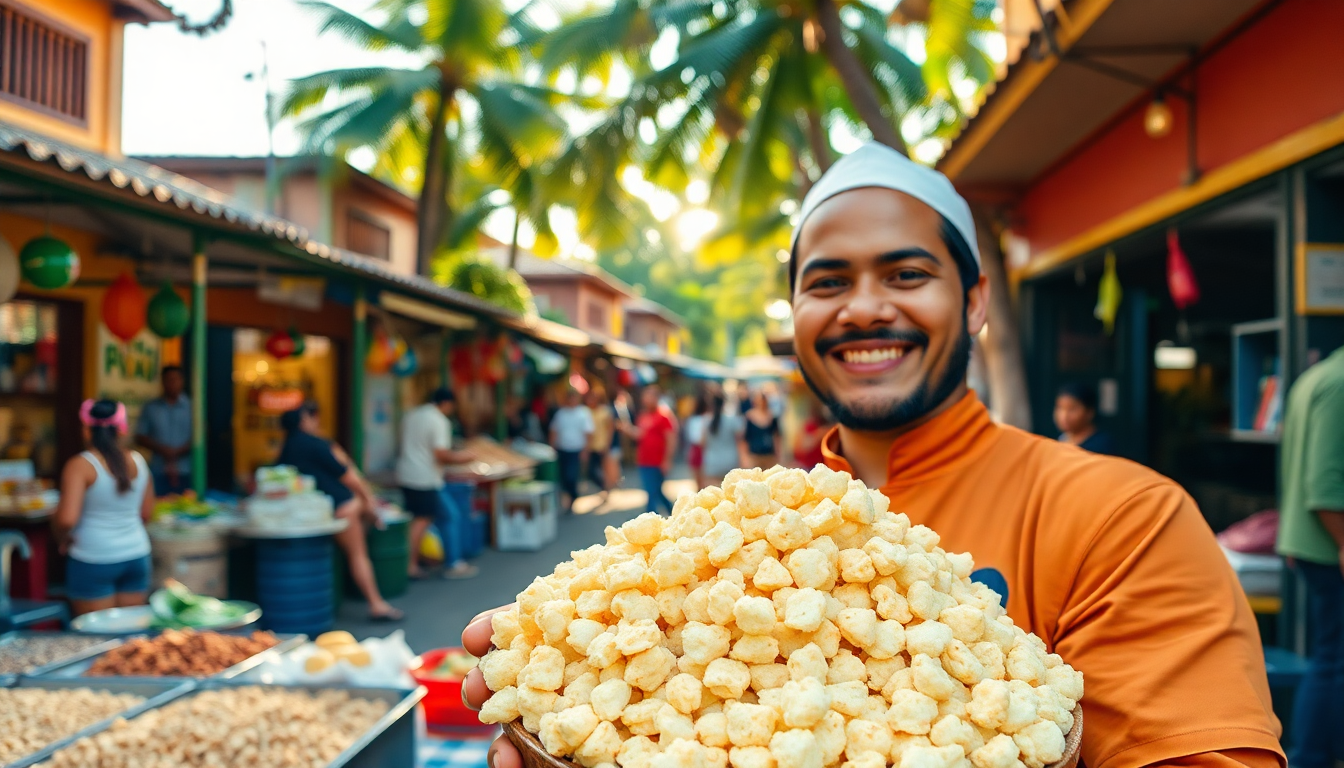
(152, 214)
(1108, 54)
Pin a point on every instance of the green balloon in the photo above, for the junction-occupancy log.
(300, 345)
(49, 263)
(167, 314)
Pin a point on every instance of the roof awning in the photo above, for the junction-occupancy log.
(426, 313)
(146, 208)
(549, 331)
(629, 351)
(1110, 53)
(700, 369)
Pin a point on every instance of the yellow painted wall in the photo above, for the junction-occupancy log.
(92, 19)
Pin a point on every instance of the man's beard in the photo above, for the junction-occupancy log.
(885, 417)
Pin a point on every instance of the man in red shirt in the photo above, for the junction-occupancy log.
(655, 436)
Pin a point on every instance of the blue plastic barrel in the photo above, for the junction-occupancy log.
(294, 578)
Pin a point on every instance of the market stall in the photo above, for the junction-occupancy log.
(521, 511)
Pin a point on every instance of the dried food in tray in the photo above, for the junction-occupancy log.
(24, 652)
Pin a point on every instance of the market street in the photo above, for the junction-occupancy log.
(438, 609)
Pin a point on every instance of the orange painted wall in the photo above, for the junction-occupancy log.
(1280, 76)
(92, 19)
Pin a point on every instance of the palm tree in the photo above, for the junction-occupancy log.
(467, 101)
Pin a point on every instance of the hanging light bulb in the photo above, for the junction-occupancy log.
(1158, 120)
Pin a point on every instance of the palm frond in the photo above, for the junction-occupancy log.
(467, 222)
(397, 34)
(309, 91)
(590, 42)
(899, 76)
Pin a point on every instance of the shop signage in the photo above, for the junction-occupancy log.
(128, 371)
(301, 292)
(1320, 279)
(279, 400)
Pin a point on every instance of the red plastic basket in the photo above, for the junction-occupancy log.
(443, 705)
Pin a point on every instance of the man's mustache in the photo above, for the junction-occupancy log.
(912, 336)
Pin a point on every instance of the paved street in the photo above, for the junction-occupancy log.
(437, 609)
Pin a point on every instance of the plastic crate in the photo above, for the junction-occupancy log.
(528, 518)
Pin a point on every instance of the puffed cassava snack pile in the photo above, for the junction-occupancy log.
(785, 620)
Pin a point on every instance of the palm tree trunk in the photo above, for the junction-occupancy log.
(856, 79)
(513, 242)
(1003, 343)
(432, 210)
(816, 138)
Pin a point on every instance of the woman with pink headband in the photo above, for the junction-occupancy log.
(106, 497)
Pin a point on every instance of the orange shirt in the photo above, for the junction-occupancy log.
(1114, 567)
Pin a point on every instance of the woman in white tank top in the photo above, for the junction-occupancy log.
(106, 497)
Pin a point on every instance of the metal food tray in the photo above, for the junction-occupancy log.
(89, 652)
(392, 740)
(76, 667)
(156, 690)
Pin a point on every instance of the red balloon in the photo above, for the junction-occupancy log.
(124, 307)
(280, 345)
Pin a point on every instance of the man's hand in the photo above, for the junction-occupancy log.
(476, 639)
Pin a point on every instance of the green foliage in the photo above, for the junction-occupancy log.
(484, 279)
(556, 315)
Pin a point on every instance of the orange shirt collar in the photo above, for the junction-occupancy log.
(941, 444)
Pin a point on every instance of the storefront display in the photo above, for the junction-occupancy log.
(266, 387)
(28, 383)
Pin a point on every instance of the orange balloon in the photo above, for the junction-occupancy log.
(124, 307)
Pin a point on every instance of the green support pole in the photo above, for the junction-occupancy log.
(198, 324)
(359, 351)
(501, 420)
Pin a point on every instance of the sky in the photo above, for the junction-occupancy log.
(186, 94)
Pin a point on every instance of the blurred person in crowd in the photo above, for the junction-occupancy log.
(655, 436)
(722, 431)
(1075, 416)
(571, 428)
(807, 448)
(622, 416)
(106, 498)
(164, 429)
(775, 398)
(599, 442)
(426, 447)
(352, 499)
(696, 432)
(742, 397)
(760, 433)
(1311, 535)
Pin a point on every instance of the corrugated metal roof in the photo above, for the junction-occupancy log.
(177, 192)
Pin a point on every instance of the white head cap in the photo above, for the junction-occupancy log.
(877, 165)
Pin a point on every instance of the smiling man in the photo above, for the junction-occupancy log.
(1111, 564)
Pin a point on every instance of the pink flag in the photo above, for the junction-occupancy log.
(1180, 277)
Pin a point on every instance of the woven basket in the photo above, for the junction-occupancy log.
(536, 756)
